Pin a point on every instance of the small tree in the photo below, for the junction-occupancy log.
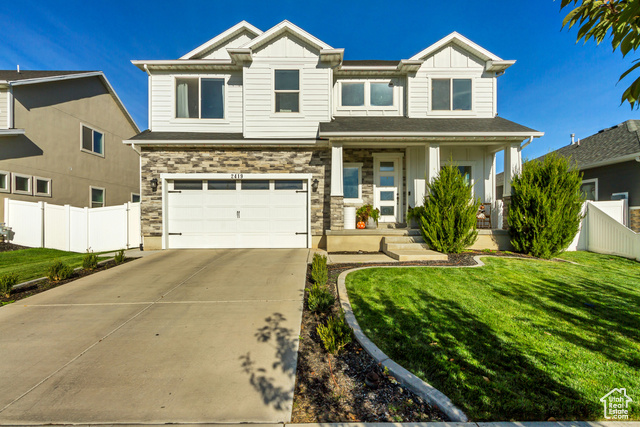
(544, 214)
(448, 221)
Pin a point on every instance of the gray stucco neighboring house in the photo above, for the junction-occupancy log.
(61, 138)
(610, 163)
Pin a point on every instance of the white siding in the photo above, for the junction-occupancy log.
(261, 121)
(4, 109)
(220, 51)
(468, 156)
(396, 110)
(452, 62)
(163, 105)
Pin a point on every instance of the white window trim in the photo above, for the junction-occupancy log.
(35, 186)
(199, 77)
(284, 67)
(104, 140)
(8, 181)
(451, 112)
(359, 166)
(367, 95)
(588, 181)
(13, 184)
(135, 194)
(471, 164)
(104, 196)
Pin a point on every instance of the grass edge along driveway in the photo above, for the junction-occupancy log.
(513, 340)
(33, 263)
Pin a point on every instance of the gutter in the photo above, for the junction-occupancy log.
(526, 143)
(431, 134)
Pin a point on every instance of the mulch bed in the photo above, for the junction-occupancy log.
(6, 247)
(338, 392)
(47, 284)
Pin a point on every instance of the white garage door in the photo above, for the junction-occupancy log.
(237, 214)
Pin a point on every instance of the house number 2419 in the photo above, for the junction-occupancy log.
(236, 176)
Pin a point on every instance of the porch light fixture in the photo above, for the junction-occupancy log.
(314, 185)
(154, 184)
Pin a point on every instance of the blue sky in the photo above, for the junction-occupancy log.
(556, 86)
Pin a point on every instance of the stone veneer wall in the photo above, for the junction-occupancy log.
(506, 201)
(155, 161)
(337, 213)
(634, 219)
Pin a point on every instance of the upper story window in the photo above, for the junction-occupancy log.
(199, 98)
(92, 140)
(366, 94)
(451, 94)
(287, 91)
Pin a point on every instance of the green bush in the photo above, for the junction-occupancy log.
(320, 299)
(6, 283)
(319, 270)
(336, 334)
(59, 271)
(119, 257)
(448, 221)
(545, 210)
(90, 261)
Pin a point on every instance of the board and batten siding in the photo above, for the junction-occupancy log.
(220, 51)
(4, 108)
(163, 105)
(451, 62)
(286, 53)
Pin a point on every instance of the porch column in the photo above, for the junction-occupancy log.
(432, 161)
(512, 166)
(337, 191)
(489, 176)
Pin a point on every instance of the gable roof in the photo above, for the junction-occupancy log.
(221, 38)
(27, 77)
(283, 27)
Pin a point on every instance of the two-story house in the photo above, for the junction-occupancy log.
(61, 138)
(260, 139)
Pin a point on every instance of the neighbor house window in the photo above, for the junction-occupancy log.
(92, 140)
(589, 189)
(4, 182)
(199, 98)
(366, 94)
(135, 198)
(451, 94)
(97, 197)
(42, 187)
(352, 181)
(287, 91)
(22, 184)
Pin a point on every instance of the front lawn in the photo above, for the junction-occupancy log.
(34, 262)
(514, 340)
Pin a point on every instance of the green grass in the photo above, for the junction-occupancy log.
(35, 262)
(514, 340)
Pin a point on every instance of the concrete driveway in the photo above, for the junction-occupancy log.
(191, 336)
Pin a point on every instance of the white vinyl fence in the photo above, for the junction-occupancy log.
(43, 225)
(602, 231)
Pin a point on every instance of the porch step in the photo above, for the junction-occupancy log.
(387, 225)
(423, 255)
(404, 239)
(406, 246)
(410, 248)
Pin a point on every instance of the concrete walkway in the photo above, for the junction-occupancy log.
(193, 336)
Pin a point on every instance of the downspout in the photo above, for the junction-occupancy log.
(146, 69)
(526, 143)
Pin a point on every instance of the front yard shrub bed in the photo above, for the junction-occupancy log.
(517, 339)
(338, 392)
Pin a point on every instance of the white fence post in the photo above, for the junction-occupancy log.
(42, 208)
(6, 211)
(67, 231)
(88, 221)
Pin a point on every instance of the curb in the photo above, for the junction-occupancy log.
(32, 282)
(406, 378)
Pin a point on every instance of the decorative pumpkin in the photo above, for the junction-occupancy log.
(361, 225)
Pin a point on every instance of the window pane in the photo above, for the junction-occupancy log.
(255, 185)
(440, 94)
(589, 190)
(386, 166)
(98, 142)
(187, 185)
(287, 102)
(387, 210)
(287, 79)
(462, 94)
(350, 182)
(135, 198)
(353, 94)
(288, 185)
(97, 196)
(187, 98)
(212, 98)
(22, 184)
(387, 181)
(87, 138)
(221, 185)
(3, 181)
(381, 94)
(386, 195)
(465, 171)
(42, 186)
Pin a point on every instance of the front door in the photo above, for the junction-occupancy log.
(387, 186)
